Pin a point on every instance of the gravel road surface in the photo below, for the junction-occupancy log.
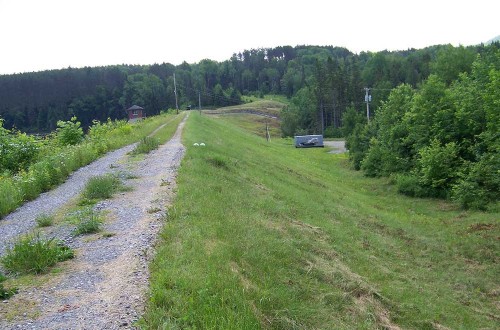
(105, 285)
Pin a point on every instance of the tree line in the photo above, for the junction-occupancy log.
(323, 82)
(441, 138)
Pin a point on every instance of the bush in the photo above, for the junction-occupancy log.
(409, 185)
(69, 132)
(438, 165)
(333, 132)
(372, 162)
(17, 150)
(34, 255)
(358, 143)
(10, 196)
(479, 184)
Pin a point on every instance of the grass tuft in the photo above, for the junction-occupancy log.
(146, 145)
(33, 254)
(89, 221)
(5, 293)
(100, 187)
(44, 220)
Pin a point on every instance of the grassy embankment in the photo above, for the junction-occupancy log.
(254, 116)
(263, 235)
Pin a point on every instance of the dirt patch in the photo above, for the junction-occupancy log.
(480, 227)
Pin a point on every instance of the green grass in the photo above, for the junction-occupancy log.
(145, 145)
(255, 124)
(88, 221)
(44, 220)
(100, 187)
(33, 254)
(5, 293)
(268, 107)
(264, 235)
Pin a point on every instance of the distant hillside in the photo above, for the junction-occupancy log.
(497, 38)
(321, 82)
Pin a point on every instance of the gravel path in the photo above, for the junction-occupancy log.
(338, 147)
(105, 286)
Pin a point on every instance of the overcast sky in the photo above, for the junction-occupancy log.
(37, 35)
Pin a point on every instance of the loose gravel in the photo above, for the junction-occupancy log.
(105, 286)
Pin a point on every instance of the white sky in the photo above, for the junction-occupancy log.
(52, 34)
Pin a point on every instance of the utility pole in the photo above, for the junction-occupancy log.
(199, 101)
(322, 118)
(268, 135)
(175, 92)
(368, 99)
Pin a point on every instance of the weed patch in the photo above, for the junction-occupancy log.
(89, 221)
(44, 220)
(146, 145)
(5, 293)
(100, 187)
(33, 254)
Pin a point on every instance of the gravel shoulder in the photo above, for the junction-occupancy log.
(105, 286)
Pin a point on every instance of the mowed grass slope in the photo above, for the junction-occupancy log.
(265, 236)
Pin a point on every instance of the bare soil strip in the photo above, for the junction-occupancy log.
(105, 286)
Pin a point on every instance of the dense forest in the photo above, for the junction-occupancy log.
(433, 125)
(322, 83)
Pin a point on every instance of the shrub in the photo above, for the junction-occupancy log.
(34, 255)
(479, 184)
(358, 143)
(333, 132)
(10, 196)
(438, 165)
(69, 132)
(372, 162)
(409, 185)
(17, 151)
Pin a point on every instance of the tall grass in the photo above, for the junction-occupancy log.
(145, 145)
(263, 235)
(101, 187)
(34, 254)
